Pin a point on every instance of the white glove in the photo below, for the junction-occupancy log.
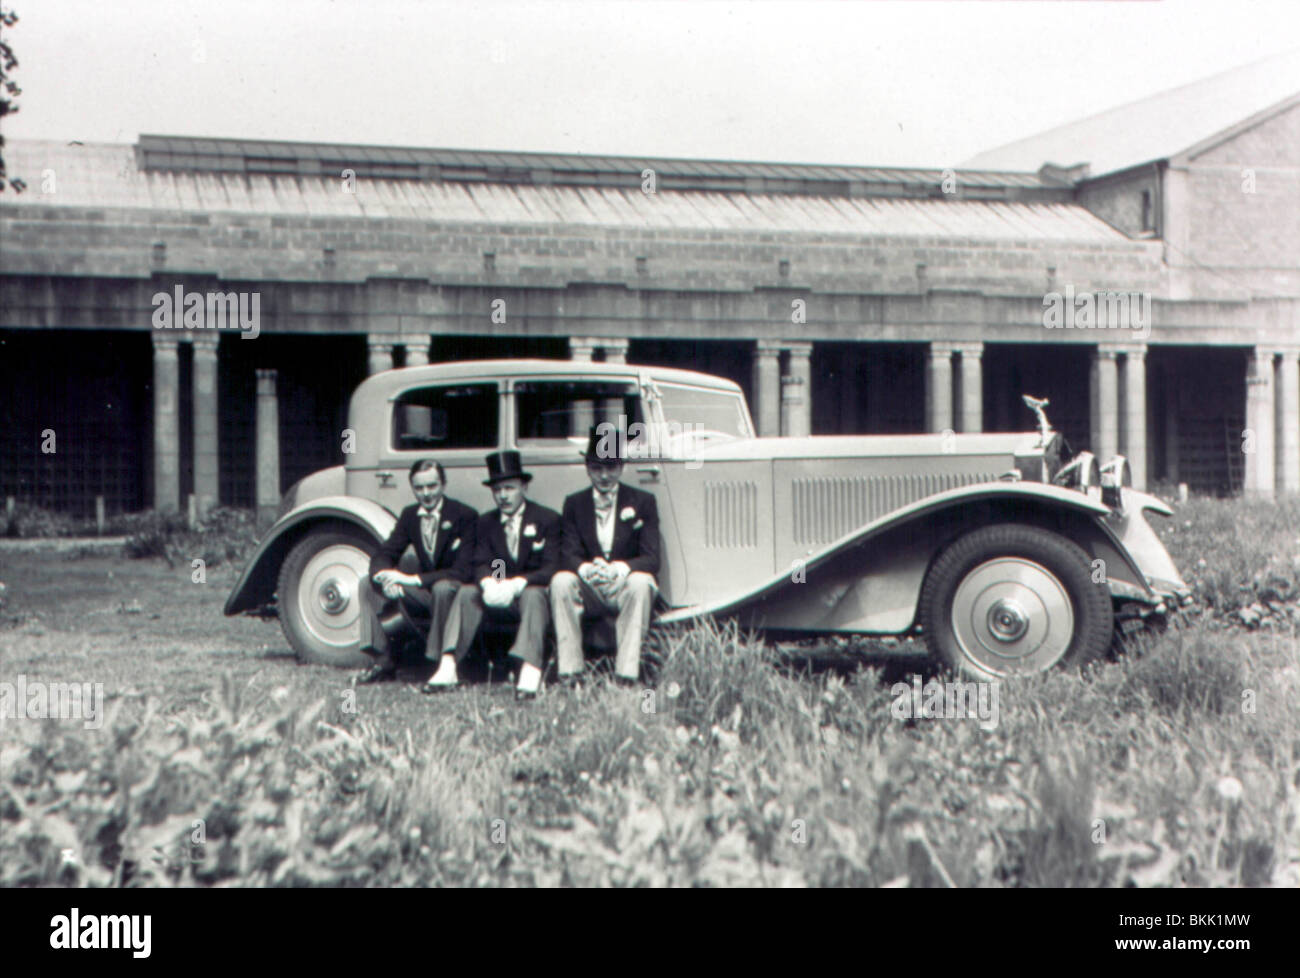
(496, 593)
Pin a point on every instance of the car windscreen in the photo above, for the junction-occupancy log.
(703, 412)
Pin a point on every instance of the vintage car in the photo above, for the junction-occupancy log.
(1007, 555)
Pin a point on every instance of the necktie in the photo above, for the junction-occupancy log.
(429, 527)
(511, 524)
(605, 519)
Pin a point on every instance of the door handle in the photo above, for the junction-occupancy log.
(385, 480)
(651, 471)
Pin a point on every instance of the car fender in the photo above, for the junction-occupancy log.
(870, 580)
(257, 583)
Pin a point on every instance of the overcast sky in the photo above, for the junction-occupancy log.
(920, 82)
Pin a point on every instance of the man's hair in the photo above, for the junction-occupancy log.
(424, 464)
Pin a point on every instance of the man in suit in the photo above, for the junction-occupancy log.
(517, 553)
(610, 555)
(442, 532)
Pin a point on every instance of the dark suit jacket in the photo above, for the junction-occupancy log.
(451, 560)
(636, 534)
(539, 551)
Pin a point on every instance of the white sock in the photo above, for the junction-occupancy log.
(530, 678)
(446, 674)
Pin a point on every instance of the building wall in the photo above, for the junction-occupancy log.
(1251, 239)
(1118, 200)
(235, 248)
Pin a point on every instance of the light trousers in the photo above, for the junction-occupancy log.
(572, 598)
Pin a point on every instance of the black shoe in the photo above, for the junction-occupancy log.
(525, 695)
(625, 682)
(380, 672)
(436, 689)
(572, 680)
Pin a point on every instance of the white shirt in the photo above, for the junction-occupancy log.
(429, 523)
(605, 519)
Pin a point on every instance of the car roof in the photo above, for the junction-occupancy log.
(474, 369)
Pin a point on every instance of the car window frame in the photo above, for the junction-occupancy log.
(394, 403)
(510, 406)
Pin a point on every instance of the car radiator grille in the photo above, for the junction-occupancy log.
(827, 508)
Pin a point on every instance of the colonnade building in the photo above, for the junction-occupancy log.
(1154, 301)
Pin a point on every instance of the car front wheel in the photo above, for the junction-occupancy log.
(320, 596)
(1011, 600)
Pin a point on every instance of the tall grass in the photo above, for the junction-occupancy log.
(1176, 765)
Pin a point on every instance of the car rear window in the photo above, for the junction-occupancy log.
(447, 416)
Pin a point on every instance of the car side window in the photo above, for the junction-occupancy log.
(447, 416)
(550, 411)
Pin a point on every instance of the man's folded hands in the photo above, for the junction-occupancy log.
(605, 576)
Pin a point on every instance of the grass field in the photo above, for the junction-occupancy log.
(221, 761)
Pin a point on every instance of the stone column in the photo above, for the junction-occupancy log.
(1133, 442)
(417, 351)
(207, 484)
(1288, 418)
(796, 392)
(1172, 471)
(938, 388)
(417, 419)
(611, 409)
(380, 347)
(166, 421)
(970, 415)
(268, 445)
(767, 388)
(1104, 408)
(615, 350)
(1257, 440)
(583, 350)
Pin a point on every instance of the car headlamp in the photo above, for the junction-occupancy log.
(1115, 475)
(1081, 473)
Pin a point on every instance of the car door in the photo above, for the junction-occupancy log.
(456, 423)
(550, 417)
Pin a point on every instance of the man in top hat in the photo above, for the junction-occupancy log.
(610, 554)
(517, 552)
(441, 530)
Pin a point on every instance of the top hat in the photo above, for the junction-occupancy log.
(606, 445)
(505, 465)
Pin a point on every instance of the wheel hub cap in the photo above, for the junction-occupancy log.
(334, 596)
(329, 596)
(1012, 616)
(1007, 620)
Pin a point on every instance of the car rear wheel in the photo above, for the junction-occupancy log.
(320, 591)
(1011, 600)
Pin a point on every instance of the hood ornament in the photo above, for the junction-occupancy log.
(1037, 405)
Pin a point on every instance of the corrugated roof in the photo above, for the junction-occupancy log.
(180, 153)
(106, 176)
(1154, 128)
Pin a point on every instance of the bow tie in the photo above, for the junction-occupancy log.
(426, 514)
(507, 518)
(605, 500)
